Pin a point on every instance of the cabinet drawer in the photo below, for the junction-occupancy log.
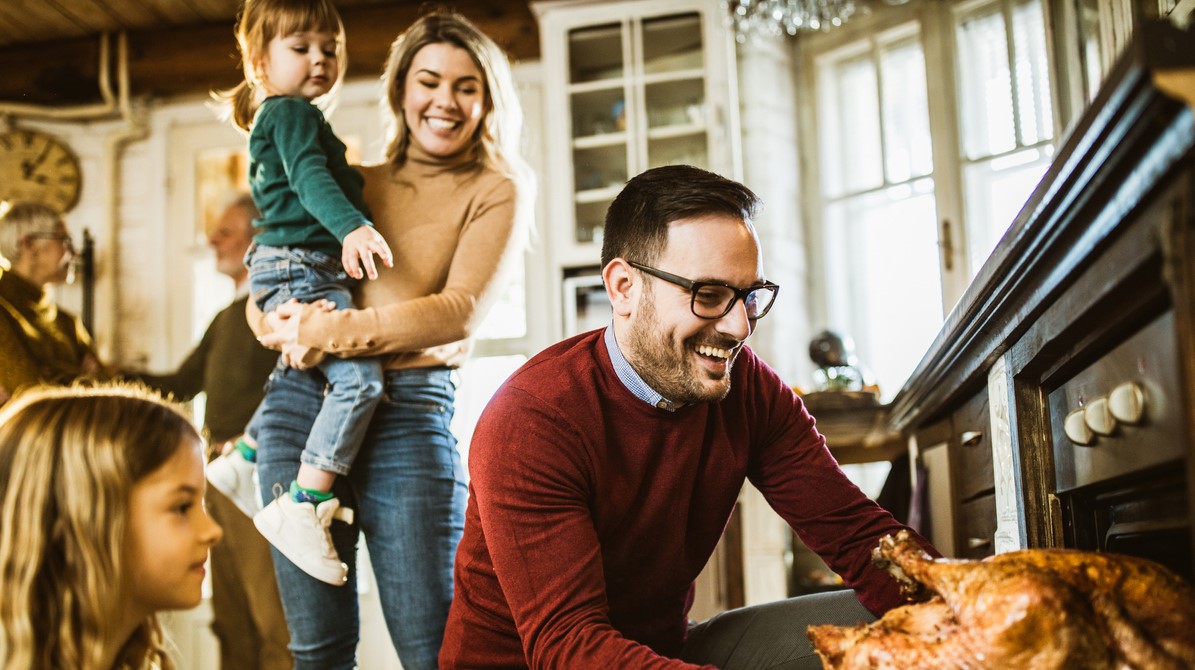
(977, 528)
(1123, 411)
(972, 427)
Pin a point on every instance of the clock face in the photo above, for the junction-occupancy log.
(36, 167)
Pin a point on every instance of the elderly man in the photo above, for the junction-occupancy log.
(605, 469)
(39, 342)
(231, 368)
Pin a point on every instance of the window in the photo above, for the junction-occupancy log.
(878, 196)
(1006, 114)
(909, 145)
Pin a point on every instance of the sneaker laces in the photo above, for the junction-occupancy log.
(325, 513)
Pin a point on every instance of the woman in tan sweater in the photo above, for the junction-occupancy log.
(453, 199)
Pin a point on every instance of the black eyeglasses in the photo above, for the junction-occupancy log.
(713, 300)
(65, 238)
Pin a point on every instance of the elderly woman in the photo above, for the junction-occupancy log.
(39, 342)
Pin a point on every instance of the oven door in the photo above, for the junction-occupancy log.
(1119, 446)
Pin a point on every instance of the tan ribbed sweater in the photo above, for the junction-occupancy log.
(456, 232)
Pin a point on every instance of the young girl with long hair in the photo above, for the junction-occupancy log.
(102, 525)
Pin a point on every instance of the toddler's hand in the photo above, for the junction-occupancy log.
(359, 248)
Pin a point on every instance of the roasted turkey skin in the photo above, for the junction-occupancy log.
(1037, 608)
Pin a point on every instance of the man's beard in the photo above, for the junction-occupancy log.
(672, 374)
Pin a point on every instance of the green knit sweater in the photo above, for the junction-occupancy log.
(306, 191)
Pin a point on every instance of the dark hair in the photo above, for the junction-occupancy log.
(637, 221)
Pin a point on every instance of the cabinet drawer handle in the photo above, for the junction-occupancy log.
(977, 542)
(972, 438)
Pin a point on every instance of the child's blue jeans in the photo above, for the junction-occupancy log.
(352, 386)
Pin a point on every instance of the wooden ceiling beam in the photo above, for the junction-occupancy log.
(197, 59)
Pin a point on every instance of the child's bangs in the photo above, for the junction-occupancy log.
(310, 17)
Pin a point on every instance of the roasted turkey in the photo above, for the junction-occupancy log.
(1036, 609)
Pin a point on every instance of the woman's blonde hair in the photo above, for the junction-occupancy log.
(496, 143)
(498, 134)
(69, 458)
(259, 22)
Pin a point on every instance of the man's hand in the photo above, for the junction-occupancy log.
(358, 249)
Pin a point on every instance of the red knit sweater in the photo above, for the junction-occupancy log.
(591, 512)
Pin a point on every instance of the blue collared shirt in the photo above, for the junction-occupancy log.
(631, 379)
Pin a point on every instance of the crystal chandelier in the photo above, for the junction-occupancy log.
(772, 18)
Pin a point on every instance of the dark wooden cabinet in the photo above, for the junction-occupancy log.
(1082, 321)
(956, 455)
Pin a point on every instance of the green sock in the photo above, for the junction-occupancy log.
(247, 452)
(300, 494)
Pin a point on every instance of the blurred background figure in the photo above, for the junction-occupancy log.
(231, 368)
(40, 343)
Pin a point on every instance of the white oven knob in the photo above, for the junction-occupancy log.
(1076, 428)
(1099, 418)
(1127, 402)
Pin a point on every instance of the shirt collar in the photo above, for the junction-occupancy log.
(631, 379)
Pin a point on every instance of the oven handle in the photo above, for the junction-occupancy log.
(1123, 528)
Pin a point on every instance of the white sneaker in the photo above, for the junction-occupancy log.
(236, 478)
(300, 531)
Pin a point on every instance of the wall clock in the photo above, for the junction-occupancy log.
(38, 167)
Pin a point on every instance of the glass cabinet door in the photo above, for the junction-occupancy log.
(637, 100)
(598, 93)
(674, 91)
(629, 85)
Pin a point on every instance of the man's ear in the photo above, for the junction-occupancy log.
(622, 286)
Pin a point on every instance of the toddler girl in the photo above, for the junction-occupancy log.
(312, 240)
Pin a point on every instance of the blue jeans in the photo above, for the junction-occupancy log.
(409, 494)
(354, 385)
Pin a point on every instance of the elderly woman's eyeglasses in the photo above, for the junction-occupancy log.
(64, 238)
(713, 300)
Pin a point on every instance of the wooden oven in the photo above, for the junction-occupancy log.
(1057, 405)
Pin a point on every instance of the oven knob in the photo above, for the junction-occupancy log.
(1127, 402)
(1099, 418)
(1076, 428)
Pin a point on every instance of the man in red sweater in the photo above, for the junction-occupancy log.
(604, 471)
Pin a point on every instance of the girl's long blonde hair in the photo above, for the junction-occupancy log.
(261, 21)
(69, 458)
